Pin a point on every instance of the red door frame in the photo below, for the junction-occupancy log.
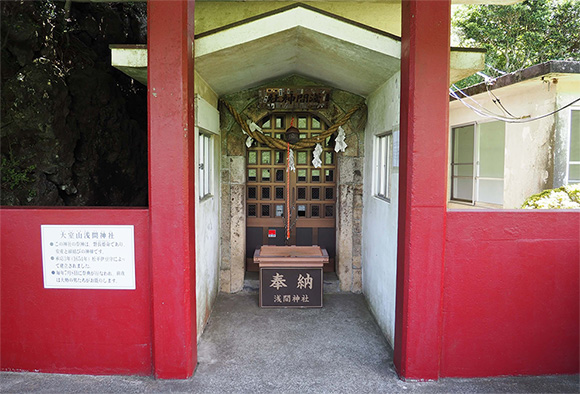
(171, 186)
(424, 124)
(422, 186)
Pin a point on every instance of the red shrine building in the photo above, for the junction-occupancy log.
(457, 292)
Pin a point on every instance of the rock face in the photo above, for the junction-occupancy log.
(74, 129)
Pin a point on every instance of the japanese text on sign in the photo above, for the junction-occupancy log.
(88, 257)
(291, 287)
(294, 98)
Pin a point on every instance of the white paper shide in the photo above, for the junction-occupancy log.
(88, 257)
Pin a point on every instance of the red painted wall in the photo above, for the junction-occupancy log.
(71, 330)
(170, 76)
(511, 293)
(423, 182)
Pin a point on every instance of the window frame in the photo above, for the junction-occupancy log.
(569, 150)
(453, 163)
(382, 166)
(205, 164)
(476, 178)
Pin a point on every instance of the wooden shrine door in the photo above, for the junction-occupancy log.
(312, 191)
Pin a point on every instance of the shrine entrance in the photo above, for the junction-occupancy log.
(310, 192)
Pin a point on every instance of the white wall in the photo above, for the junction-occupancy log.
(207, 215)
(379, 245)
(528, 163)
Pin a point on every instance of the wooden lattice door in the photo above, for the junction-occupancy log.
(312, 191)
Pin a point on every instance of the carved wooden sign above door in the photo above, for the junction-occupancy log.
(302, 98)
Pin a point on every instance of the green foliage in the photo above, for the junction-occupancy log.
(523, 34)
(565, 197)
(13, 175)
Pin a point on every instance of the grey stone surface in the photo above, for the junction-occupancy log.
(245, 349)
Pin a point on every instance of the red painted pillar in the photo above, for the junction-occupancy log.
(423, 185)
(171, 187)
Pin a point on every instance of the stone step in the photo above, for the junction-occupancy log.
(330, 281)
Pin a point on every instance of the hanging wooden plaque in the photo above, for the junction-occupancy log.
(305, 98)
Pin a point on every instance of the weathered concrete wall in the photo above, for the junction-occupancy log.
(568, 89)
(233, 185)
(207, 219)
(212, 15)
(204, 90)
(350, 190)
(380, 217)
(349, 186)
(528, 166)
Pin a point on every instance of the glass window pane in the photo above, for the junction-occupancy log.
(279, 210)
(208, 164)
(252, 174)
(265, 193)
(252, 157)
(463, 189)
(279, 175)
(266, 157)
(490, 191)
(575, 137)
(329, 142)
(301, 158)
(328, 158)
(329, 175)
(315, 193)
(491, 149)
(574, 173)
(463, 170)
(315, 175)
(463, 144)
(279, 122)
(314, 211)
(302, 122)
(280, 157)
(279, 193)
(266, 175)
(329, 211)
(201, 165)
(329, 193)
(315, 122)
(301, 175)
(267, 124)
(384, 163)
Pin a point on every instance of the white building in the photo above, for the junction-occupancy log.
(498, 164)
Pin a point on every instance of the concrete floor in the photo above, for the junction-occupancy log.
(245, 349)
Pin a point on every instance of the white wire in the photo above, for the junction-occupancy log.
(482, 108)
(502, 118)
(477, 111)
(495, 69)
(496, 104)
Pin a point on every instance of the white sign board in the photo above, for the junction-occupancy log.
(88, 257)
(396, 148)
